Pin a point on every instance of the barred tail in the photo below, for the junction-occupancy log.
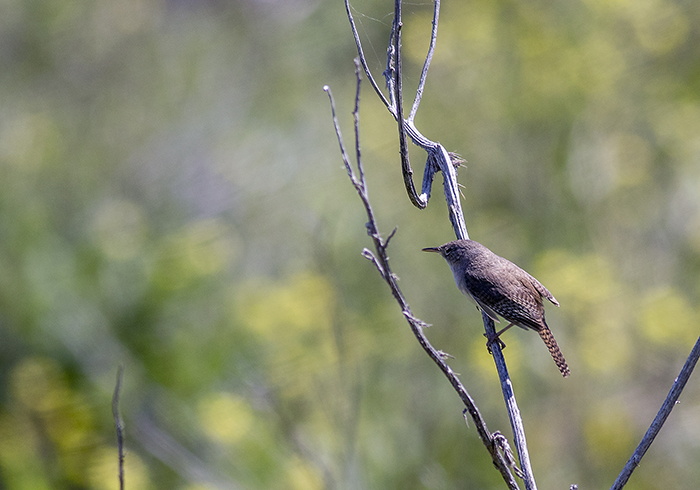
(553, 347)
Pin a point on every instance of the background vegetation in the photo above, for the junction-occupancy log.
(172, 198)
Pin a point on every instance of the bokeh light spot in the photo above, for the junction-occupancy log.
(225, 418)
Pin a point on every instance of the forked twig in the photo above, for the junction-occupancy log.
(381, 261)
(437, 156)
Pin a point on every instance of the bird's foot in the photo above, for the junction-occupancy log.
(495, 339)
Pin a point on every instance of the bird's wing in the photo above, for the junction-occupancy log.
(487, 309)
(544, 291)
(517, 304)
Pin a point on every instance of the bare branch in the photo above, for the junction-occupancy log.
(394, 103)
(366, 253)
(356, 120)
(437, 155)
(421, 324)
(381, 261)
(363, 60)
(119, 424)
(359, 184)
(339, 135)
(426, 65)
(516, 420)
(660, 419)
(391, 235)
(406, 169)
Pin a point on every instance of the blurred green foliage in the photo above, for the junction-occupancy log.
(172, 199)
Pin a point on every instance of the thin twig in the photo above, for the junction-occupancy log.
(119, 424)
(366, 253)
(381, 261)
(660, 418)
(426, 65)
(394, 59)
(438, 158)
(356, 121)
(363, 60)
(391, 235)
(406, 169)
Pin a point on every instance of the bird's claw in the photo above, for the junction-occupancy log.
(492, 340)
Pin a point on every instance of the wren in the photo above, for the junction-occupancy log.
(501, 288)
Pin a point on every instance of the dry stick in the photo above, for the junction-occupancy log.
(516, 421)
(381, 262)
(439, 159)
(660, 418)
(426, 65)
(391, 104)
(406, 169)
(436, 158)
(371, 79)
(119, 424)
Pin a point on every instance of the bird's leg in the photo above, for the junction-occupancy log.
(497, 338)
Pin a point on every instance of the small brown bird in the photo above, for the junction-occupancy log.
(499, 287)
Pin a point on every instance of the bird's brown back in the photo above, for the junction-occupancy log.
(516, 296)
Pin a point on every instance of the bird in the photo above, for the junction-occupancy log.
(501, 288)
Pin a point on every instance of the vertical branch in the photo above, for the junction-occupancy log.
(406, 169)
(119, 424)
(426, 65)
(516, 421)
(451, 189)
(356, 121)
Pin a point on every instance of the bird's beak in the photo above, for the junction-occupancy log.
(431, 249)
